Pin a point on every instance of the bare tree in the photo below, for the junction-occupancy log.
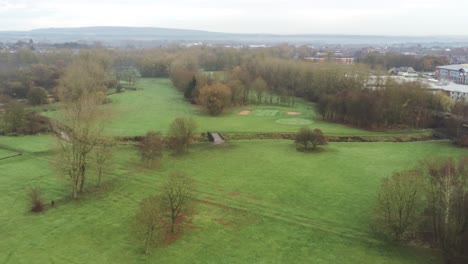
(103, 157)
(36, 200)
(448, 195)
(399, 203)
(82, 121)
(260, 87)
(181, 133)
(176, 195)
(149, 221)
(303, 136)
(151, 147)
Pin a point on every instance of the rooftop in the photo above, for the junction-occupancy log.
(451, 87)
(454, 67)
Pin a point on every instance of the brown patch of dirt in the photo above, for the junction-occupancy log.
(245, 112)
(181, 222)
(172, 237)
(294, 113)
(234, 193)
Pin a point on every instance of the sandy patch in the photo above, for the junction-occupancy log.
(245, 112)
(294, 113)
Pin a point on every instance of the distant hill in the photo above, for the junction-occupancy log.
(120, 31)
(114, 35)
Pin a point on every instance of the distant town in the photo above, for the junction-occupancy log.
(440, 63)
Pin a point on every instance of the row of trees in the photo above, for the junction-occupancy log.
(343, 93)
(397, 105)
(36, 76)
(390, 60)
(265, 81)
(429, 203)
(264, 76)
(158, 216)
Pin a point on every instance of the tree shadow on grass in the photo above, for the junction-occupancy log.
(311, 150)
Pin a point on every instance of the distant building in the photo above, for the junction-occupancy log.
(403, 71)
(336, 60)
(456, 73)
(457, 92)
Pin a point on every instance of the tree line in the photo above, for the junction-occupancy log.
(428, 204)
(395, 106)
(386, 61)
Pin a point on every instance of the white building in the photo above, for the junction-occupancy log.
(454, 73)
(455, 91)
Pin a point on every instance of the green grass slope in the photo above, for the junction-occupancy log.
(158, 103)
(258, 202)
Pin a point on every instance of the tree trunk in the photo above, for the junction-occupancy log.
(82, 177)
(99, 178)
(149, 237)
(173, 218)
(74, 187)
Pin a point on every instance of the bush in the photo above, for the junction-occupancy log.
(14, 118)
(151, 147)
(17, 121)
(119, 88)
(462, 141)
(37, 96)
(181, 133)
(306, 137)
(215, 98)
(36, 201)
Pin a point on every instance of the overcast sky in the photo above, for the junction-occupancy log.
(366, 17)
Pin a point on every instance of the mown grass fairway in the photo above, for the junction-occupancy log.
(258, 202)
(158, 103)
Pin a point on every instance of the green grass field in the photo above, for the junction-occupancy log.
(158, 103)
(260, 201)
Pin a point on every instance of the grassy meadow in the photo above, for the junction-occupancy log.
(157, 103)
(257, 201)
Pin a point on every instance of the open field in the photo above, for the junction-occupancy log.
(4, 153)
(158, 103)
(258, 202)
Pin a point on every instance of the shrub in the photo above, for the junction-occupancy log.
(14, 118)
(462, 141)
(306, 137)
(181, 133)
(151, 147)
(36, 201)
(37, 96)
(215, 98)
(119, 88)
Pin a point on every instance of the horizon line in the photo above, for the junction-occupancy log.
(234, 33)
